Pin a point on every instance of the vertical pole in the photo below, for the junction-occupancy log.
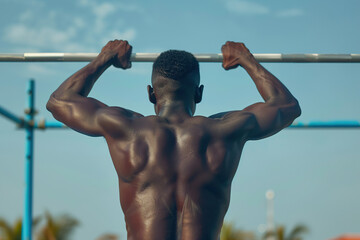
(270, 213)
(30, 112)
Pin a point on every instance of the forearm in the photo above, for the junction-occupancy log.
(81, 82)
(267, 84)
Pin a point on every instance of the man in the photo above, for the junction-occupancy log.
(175, 169)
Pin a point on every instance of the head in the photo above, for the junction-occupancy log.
(175, 77)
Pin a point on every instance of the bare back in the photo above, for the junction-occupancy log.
(174, 179)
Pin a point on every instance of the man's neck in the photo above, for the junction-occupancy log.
(174, 111)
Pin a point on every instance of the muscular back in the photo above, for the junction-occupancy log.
(175, 170)
(174, 178)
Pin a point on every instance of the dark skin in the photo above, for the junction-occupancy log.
(175, 169)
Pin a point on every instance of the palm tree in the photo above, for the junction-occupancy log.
(59, 228)
(107, 236)
(9, 232)
(229, 232)
(295, 233)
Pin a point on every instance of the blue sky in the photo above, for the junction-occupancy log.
(314, 173)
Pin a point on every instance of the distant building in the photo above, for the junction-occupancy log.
(348, 237)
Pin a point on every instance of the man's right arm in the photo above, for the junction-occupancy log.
(71, 105)
(264, 119)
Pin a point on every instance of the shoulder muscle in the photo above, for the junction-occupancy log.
(116, 121)
(235, 124)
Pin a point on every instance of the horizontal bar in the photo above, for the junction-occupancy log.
(11, 116)
(150, 57)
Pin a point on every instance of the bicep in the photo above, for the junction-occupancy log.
(92, 117)
(270, 118)
(257, 121)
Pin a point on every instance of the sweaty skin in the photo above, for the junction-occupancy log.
(175, 169)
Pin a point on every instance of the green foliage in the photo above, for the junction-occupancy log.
(280, 234)
(13, 232)
(59, 228)
(108, 236)
(229, 232)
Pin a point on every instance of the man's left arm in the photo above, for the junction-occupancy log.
(69, 103)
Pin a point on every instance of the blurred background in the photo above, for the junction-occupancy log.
(313, 173)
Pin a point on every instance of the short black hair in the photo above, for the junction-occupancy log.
(175, 64)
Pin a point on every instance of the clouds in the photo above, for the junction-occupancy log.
(101, 12)
(40, 69)
(48, 28)
(42, 37)
(247, 8)
(85, 26)
(103, 9)
(294, 12)
(128, 34)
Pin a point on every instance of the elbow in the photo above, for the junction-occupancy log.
(297, 109)
(56, 107)
(294, 109)
(52, 104)
(290, 106)
(290, 112)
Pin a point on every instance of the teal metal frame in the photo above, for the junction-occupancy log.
(29, 124)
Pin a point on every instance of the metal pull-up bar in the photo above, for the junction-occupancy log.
(150, 57)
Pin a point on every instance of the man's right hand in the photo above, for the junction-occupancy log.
(119, 52)
(235, 54)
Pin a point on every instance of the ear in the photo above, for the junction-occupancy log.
(199, 93)
(151, 93)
